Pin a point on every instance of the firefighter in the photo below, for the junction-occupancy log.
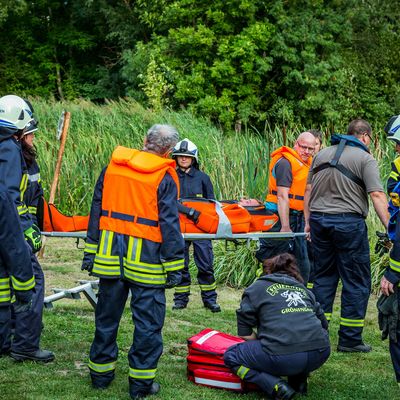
(15, 269)
(195, 184)
(389, 317)
(341, 178)
(288, 171)
(291, 339)
(134, 244)
(28, 325)
(16, 114)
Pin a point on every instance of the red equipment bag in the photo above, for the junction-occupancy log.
(205, 361)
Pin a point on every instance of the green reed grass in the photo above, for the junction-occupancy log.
(236, 162)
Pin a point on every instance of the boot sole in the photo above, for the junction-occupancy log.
(21, 357)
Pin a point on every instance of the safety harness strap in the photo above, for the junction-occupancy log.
(334, 163)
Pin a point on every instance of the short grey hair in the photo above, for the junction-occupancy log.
(161, 139)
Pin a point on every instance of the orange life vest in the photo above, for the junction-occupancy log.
(129, 202)
(299, 171)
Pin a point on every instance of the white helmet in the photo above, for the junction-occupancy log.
(186, 148)
(15, 113)
(31, 127)
(392, 129)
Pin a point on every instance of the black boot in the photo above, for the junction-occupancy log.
(154, 389)
(282, 391)
(299, 383)
(214, 307)
(38, 355)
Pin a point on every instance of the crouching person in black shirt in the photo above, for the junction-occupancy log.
(291, 339)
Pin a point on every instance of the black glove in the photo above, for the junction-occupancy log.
(173, 279)
(383, 245)
(22, 306)
(87, 262)
(194, 215)
(34, 237)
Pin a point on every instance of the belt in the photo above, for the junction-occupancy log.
(337, 214)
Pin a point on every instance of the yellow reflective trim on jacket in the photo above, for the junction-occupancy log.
(182, 289)
(310, 285)
(357, 323)
(22, 209)
(90, 248)
(328, 316)
(394, 265)
(106, 270)
(396, 163)
(32, 210)
(5, 295)
(20, 285)
(394, 175)
(142, 373)
(23, 185)
(101, 367)
(242, 371)
(151, 279)
(144, 267)
(175, 265)
(4, 283)
(205, 288)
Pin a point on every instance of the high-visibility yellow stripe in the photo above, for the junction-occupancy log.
(20, 285)
(394, 265)
(142, 373)
(5, 296)
(22, 209)
(102, 367)
(175, 265)
(182, 289)
(32, 210)
(328, 316)
(357, 323)
(90, 248)
(393, 175)
(4, 283)
(23, 185)
(242, 371)
(145, 278)
(310, 285)
(145, 268)
(205, 288)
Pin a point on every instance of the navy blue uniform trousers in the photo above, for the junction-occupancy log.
(250, 362)
(204, 258)
(148, 314)
(341, 248)
(28, 325)
(270, 248)
(394, 348)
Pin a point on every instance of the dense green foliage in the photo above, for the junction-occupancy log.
(238, 62)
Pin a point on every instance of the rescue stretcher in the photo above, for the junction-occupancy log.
(87, 288)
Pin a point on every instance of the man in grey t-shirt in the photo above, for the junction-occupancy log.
(336, 204)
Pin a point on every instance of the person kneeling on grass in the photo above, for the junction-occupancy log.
(292, 338)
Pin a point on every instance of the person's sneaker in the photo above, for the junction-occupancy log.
(154, 389)
(298, 383)
(360, 348)
(179, 306)
(38, 355)
(283, 391)
(214, 307)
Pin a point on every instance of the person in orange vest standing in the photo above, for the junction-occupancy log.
(134, 244)
(288, 172)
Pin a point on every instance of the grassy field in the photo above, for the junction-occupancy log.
(69, 327)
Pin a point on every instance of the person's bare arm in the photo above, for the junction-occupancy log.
(380, 203)
(283, 207)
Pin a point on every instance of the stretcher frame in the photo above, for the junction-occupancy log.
(87, 287)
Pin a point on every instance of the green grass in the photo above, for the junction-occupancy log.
(69, 329)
